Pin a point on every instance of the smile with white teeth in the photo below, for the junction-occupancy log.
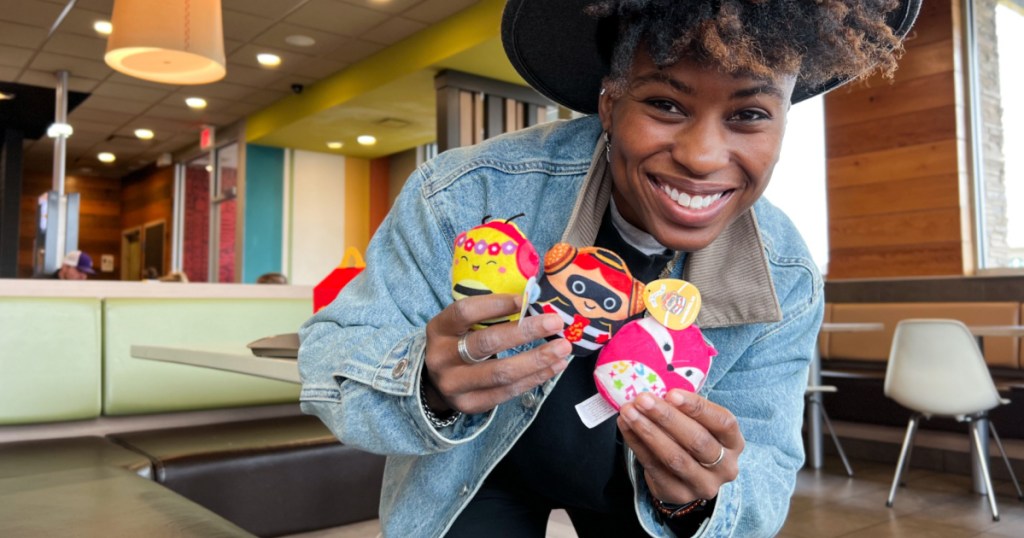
(692, 201)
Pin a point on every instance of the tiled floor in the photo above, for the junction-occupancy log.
(828, 504)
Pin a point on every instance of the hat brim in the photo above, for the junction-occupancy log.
(564, 54)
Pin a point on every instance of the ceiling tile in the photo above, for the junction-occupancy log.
(389, 6)
(251, 76)
(91, 129)
(21, 35)
(110, 118)
(187, 117)
(46, 79)
(219, 90)
(243, 110)
(14, 56)
(246, 57)
(80, 22)
(131, 92)
(317, 68)
(433, 11)
(77, 46)
(242, 26)
(8, 74)
(40, 14)
(103, 6)
(50, 62)
(99, 102)
(393, 30)
(271, 9)
(230, 45)
(275, 37)
(333, 16)
(355, 50)
(265, 97)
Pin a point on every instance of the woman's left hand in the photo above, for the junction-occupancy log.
(687, 445)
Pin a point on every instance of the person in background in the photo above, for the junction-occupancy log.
(272, 278)
(174, 276)
(77, 265)
(688, 103)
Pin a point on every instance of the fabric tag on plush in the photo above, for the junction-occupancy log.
(595, 410)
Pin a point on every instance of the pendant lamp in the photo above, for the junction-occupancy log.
(168, 41)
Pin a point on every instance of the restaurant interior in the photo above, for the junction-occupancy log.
(159, 396)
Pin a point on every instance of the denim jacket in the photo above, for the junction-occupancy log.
(361, 357)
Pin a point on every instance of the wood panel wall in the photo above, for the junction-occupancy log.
(148, 196)
(99, 218)
(897, 184)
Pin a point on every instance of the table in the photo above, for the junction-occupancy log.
(227, 357)
(981, 331)
(816, 454)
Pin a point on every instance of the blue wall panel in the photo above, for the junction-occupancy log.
(264, 198)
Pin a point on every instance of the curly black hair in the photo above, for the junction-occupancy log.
(819, 40)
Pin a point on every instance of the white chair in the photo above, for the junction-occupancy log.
(936, 369)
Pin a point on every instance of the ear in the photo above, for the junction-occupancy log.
(605, 105)
(560, 255)
(636, 299)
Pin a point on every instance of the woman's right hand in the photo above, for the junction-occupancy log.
(479, 387)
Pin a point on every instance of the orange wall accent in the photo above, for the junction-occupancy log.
(380, 174)
(357, 203)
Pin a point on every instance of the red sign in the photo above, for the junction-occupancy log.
(206, 139)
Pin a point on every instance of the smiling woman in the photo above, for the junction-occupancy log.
(692, 100)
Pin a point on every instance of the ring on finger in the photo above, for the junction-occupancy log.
(721, 456)
(464, 351)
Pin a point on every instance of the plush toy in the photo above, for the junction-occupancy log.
(658, 353)
(592, 290)
(494, 257)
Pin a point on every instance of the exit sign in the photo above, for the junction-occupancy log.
(206, 138)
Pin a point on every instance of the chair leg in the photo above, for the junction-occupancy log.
(1006, 460)
(983, 463)
(835, 439)
(904, 461)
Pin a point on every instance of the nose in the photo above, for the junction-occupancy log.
(701, 147)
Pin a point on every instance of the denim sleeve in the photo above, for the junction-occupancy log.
(362, 356)
(764, 389)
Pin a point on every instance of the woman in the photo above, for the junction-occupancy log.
(691, 101)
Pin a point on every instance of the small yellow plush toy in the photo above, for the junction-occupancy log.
(494, 257)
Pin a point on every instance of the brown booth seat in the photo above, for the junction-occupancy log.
(270, 477)
(90, 487)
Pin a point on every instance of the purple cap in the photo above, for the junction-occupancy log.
(79, 260)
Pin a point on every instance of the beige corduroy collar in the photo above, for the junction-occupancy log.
(732, 273)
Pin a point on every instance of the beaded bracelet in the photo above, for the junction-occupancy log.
(672, 511)
(436, 421)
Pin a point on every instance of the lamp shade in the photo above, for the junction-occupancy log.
(173, 42)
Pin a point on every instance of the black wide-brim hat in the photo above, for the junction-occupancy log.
(564, 53)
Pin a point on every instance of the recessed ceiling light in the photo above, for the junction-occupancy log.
(195, 102)
(106, 157)
(335, 145)
(6, 96)
(209, 168)
(144, 134)
(366, 140)
(299, 40)
(103, 27)
(267, 59)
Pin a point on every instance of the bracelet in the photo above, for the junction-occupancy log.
(673, 511)
(436, 421)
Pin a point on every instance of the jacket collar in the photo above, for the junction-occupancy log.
(731, 273)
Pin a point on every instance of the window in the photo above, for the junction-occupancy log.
(209, 216)
(997, 113)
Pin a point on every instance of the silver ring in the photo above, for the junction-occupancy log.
(721, 456)
(464, 351)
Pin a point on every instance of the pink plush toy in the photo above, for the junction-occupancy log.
(646, 356)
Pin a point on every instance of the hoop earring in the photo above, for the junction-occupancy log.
(607, 148)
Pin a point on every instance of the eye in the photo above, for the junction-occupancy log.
(610, 304)
(492, 262)
(749, 115)
(463, 258)
(578, 287)
(664, 105)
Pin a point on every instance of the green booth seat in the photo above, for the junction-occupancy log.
(50, 359)
(134, 386)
